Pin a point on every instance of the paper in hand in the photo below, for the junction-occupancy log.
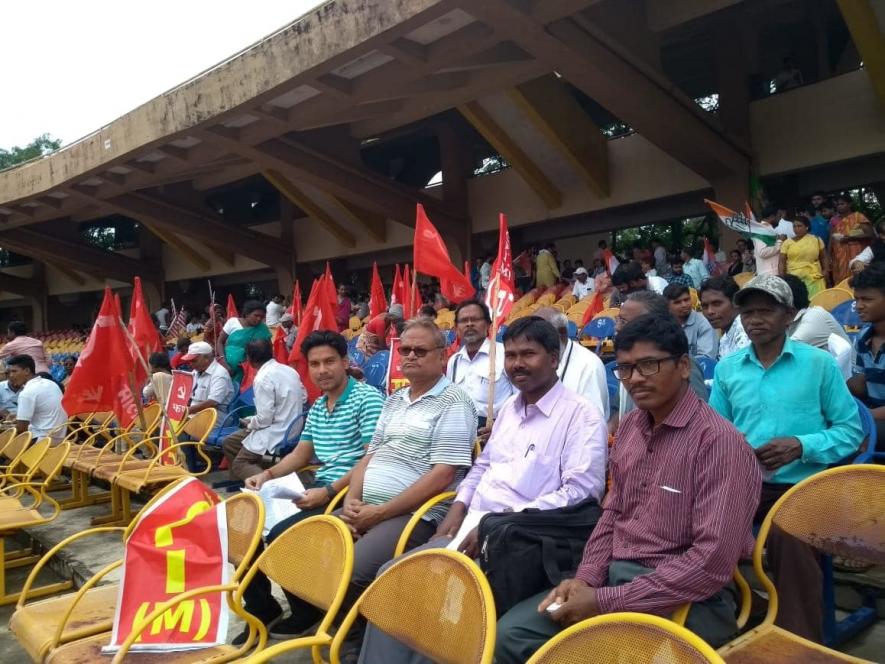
(277, 496)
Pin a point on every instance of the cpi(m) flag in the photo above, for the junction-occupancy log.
(377, 299)
(144, 333)
(432, 258)
(318, 315)
(179, 544)
(502, 285)
(101, 379)
(744, 224)
(232, 307)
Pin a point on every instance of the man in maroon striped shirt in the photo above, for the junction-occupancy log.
(685, 486)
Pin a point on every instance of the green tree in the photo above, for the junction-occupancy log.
(42, 145)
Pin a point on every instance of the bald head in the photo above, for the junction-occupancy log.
(557, 319)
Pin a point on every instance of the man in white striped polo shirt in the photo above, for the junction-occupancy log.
(339, 426)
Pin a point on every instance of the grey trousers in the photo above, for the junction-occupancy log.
(242, 463)
(522, 630)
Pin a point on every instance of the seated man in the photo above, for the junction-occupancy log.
(868, 384)
(791, 402)
(580, 369)
(702, 339)
(678, 517)
(629, 278)
(339, 426)
(422, 446)
(811, 325)
(378, 332)
(717, 305)
(547, 450)
(279, 399)
(39, 401)
(213, 387)
(8, 399)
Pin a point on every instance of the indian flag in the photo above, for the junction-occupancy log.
(742, 223)
(611, 263)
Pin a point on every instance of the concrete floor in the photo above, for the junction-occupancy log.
(89, 555)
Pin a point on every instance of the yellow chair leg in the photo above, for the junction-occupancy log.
(121, 510)
(79, 487)
(40, 591)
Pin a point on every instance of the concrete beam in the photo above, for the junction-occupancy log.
(868, 37)
(374, 223)
(556, 113)
(624, 84)
(190, 254)
(35, 288)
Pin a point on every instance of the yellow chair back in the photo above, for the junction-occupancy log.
(51, 463)
(611, 312)
(354, 323)
(743, 277)
(6, 437)
(32, 456)
(437, 602)
(199, 426)
(637, 638)
(830, 298)
(16, 447)
(245, 521)
(844, 285)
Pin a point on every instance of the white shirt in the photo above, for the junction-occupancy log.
(231, 325)
(580, 290)
(485, 272)
(472, 376)
(785, 227)
(581, 371)
(814, 326)
(274, 312)
(735, 339)
(657, 284)
(865, 256)
(162, 317)
(279, 398)
(214, 384)
(39, 404)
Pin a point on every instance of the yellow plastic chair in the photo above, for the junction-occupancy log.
(6, 437)
(27, 464)
(742, 278)
(838, 512)
(845, 285)
(42, 625)
(637, 638)
(832, 297)
(245, 521)
(13, 450)
(29, 516)
(416, 517)
(354, 323)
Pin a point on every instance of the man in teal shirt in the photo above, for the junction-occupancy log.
(791, 403)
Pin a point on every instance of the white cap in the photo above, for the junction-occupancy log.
(198, 348)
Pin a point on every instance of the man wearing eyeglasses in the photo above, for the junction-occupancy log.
(678, 516)
(422, 446)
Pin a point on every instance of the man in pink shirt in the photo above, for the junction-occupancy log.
(20, 344)
(684, 488)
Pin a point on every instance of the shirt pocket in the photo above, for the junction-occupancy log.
(533, 472)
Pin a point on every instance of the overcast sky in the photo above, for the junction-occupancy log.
(68, 68)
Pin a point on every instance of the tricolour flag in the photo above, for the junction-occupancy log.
(611, 263)
(743, 224)
(710, 259)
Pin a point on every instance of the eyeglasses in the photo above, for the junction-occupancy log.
(405, 351)
(648, 367)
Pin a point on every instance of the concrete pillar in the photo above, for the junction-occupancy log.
(733, 75)
(286, 273)
(456, 165)
(151, 250)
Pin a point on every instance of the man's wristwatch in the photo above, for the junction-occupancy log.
(331, 491)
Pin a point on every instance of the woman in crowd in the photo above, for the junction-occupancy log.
(238, 332)
(805, 256)
(850, 233)
(735, 264)
(157, 388)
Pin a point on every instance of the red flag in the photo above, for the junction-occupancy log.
(467, 269)
(318, 315)
(141, 327)
(296, 303)
(432, 258)
(232, 307)
(501, 302)
(377, 299)
(396, 291)
(596, 305)
(411, 296)
(331, 290)
(100, 381)
(280, 354)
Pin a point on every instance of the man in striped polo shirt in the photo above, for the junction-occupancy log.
(339, 426)
(422, 446)
(678, 518)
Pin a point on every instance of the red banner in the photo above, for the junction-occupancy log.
(144, 333)
(377, 299)
(231, 307)
(176, 407)
(502, 285)
(395, 378)
(431, 257)
(178, 544)
(318, 315)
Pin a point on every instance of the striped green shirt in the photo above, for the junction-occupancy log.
(412, 436)
(339, 438)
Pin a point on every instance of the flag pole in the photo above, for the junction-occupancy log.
(493, 351)
(411, 302)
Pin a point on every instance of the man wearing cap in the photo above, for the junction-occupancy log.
(791, 403)
(380, 330)
(213, 387)
(583, 283)
(290, 330)
(279, 399)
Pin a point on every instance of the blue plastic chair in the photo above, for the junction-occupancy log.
(572, 330)
(600, 329)
(357, 357)
(351, 345)
(375, 369)
(846, 314)
(707, 365)
(290, 439)
(450, 336)
(869, 454)
(240, 407)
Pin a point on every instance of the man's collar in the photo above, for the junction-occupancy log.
(546, 403)
(436, 390)
(788, 349)
(348, 388)
(484, 348)
(682, 412)
(865, 338)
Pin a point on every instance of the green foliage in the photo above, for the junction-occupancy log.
(40, 146)
(689, 232)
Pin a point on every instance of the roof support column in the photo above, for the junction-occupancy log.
(455, 157)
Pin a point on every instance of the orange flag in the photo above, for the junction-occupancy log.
(232, 307)
(432, 258)
(318, 315)
(141, 327)
(377, 299)
(100, 381)
(596, 305)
